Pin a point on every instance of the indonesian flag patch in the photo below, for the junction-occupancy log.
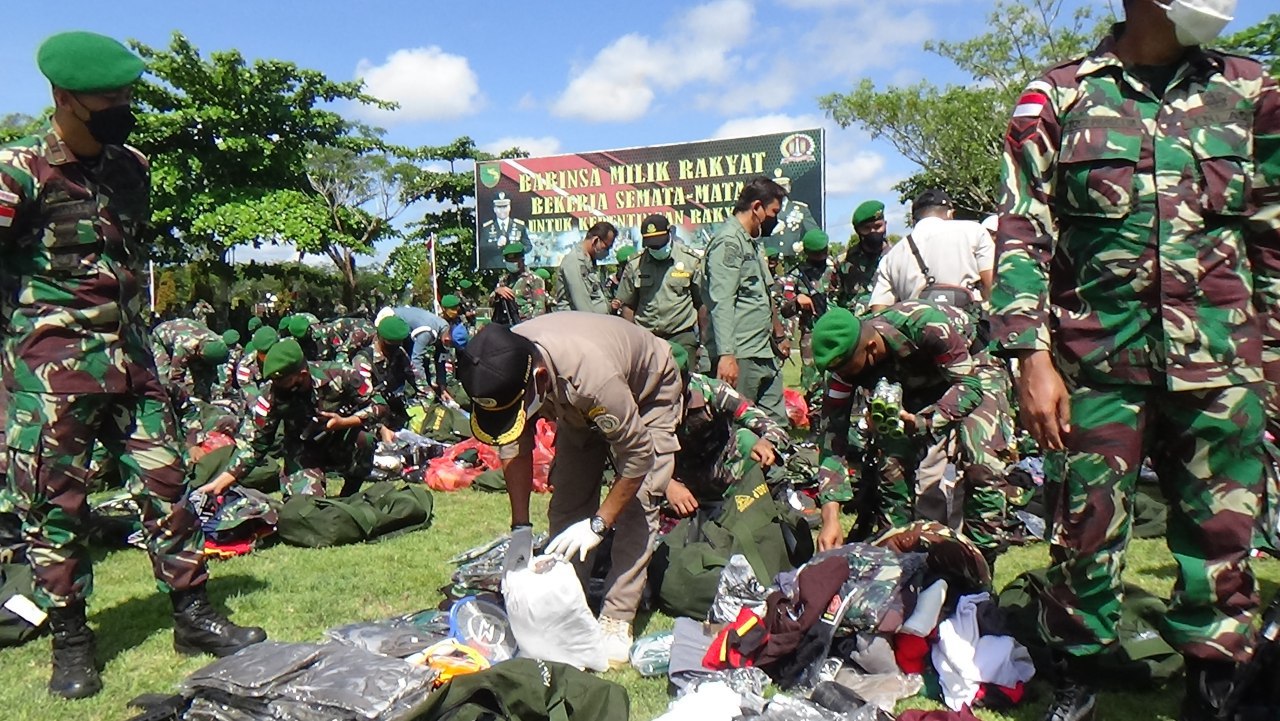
(1033, 100)
(7, 214)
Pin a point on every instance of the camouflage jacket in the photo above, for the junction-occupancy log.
(821, 285)
(392, 376)
(72, 235)
(1137, 225)
(709, 459)
(857, 273)
(341, 338)
(336, 388)
(248, 372)
(176, 344)
(530, 292)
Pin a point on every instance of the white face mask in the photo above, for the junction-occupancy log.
(535, 401)
(511, 267)
(1199, 22)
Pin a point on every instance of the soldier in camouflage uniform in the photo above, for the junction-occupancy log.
(780, 289)
(385, 364)
(342, 338)
(188, 358)
(326, 415)
(302, 328)
(809, 289)
(1138, 280)
(201, 311)
(248, 374)
(716, 425)
(74, 205)
(858, 267)
(949, 386)
(520, 293)
(657, 290)
(467, 292)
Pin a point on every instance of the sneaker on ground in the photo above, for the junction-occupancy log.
(617, 641)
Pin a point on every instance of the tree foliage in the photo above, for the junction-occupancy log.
(954, 133)
(1262, 41)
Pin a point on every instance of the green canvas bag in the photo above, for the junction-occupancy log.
(526, 690)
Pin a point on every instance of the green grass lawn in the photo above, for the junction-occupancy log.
(298, 593)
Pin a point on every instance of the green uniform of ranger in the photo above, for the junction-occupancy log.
(948, 384)
(309, 449)
(818, 281)
(78, 364)
(735, 283)
(342, 338)
(189, 357)
(659, 288)
(1139, 243)
(579, 285)
(529, 291)
(857, 269)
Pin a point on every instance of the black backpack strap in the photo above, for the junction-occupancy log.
(928, 277)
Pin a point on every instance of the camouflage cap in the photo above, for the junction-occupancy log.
(283, 359)
(543, 273)
(214, 351)
(393, 329)
(681, 354)
(834, 337)
(299, 326)
(513, 249)
(231, 337)
(254, 324)
(264, 338)
(450, 301)
(867, 211)
(85, 62)
(815, 240)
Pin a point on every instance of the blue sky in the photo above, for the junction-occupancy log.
(569, 76)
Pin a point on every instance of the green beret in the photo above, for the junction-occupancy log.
(772, 253)
(450, 301)
(869, 210)
(814, 241)
(543, 273)
(834, 337)
(254, 323)
(681, 354)
(84, 62)
(624, 253)
(465, 284)
(284, 358)
(263, 339)
(393, 329)
(299, 326)
(231, 337)
(214, 351)
(283, 325)
(513, 249)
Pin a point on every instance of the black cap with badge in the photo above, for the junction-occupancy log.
(495, 369)
(655, 231)
(931, 199)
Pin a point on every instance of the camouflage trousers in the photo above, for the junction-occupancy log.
(982, 445)
(348, 454)
(50, 439)
(1206, 448)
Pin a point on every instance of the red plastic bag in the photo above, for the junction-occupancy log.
(444, 474)
(544, 451)
(797, 408)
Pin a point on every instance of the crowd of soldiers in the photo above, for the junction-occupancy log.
(1125, 312)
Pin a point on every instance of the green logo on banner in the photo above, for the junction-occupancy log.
(490, 174)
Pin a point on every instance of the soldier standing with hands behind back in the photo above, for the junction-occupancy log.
(74, 203)
(1138, 280)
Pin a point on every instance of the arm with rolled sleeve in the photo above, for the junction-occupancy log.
(949, 348)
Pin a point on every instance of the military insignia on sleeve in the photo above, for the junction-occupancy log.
(8, 198)
(604, 420)
(733, 254)
(1032, 101)
(7, 214)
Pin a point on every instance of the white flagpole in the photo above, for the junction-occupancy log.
(435, 278)
(151, 290)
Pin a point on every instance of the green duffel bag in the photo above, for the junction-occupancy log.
(525, 689)
(491, 482)
(16, 580)
(315, 522)
(400, 507)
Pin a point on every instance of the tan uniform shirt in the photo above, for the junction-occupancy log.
(611, 376)
(662, 292)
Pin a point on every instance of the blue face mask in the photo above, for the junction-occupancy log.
(660, 253)
(511, 267)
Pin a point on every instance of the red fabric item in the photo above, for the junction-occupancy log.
(737, 644)
(963, 714)
(227, 550)
(443, 474)
(910, 651)
(999, 697)
(797, 408)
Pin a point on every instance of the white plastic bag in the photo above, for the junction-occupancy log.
(549, 615)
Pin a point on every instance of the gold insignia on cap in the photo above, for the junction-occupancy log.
(649, 228)
(488, 403)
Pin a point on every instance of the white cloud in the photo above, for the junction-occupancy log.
(428, 84)
(623, 80)
(849, 44)
(544, 145)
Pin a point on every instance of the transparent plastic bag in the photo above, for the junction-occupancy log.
(651, 654)
(480, 568)
(738, 588)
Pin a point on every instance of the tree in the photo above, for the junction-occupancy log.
(17, 125)
(955, 133)
(1262, 41)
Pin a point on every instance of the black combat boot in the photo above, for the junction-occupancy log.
(199, 628)
(1208, 684)
(1073, 699)
(75, 673)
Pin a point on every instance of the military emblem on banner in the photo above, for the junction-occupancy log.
(490, 174)
(798, 148)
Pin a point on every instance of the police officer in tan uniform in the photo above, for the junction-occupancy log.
(614, 391)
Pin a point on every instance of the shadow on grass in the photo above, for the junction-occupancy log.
(128, 624)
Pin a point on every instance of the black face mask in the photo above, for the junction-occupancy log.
(816, 262)
(111, 126)
(873, 241)
(767, 226)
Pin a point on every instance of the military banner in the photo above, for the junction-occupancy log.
(549, 203)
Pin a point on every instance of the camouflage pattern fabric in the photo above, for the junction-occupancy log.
(78, 362)
(308, 449)
(1138, 223)
(341, 338)
(822, 286)
(201, 311)
(392, 377)
(710, 459)
(857, 271)
(177, 344)
(530, 293)
(950, 390)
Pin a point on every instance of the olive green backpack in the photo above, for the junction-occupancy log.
(381, 509)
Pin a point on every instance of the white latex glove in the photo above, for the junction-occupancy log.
(519, 550)
(577, 539)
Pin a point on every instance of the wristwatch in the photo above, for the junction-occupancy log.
(598, 526)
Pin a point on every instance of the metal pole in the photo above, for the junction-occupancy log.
(435, 278)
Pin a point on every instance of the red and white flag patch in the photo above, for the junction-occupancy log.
(262, 407)
(1032, 101)
(7, 214)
